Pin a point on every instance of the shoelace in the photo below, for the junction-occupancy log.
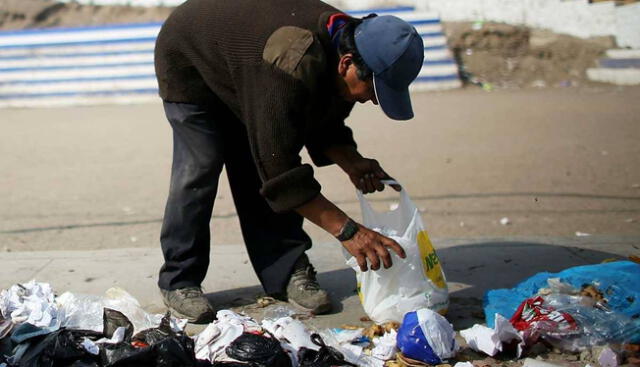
(306, 277)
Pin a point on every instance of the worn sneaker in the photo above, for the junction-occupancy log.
(304, 291)
(189, 303)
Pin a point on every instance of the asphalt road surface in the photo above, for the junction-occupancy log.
(555, 162)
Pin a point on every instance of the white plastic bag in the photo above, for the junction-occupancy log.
(411, 283)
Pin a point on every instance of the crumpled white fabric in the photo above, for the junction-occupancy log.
(292, 335)
(484, 339)
(341, 339)
(342, 336)
(92, 346)
(210, 344)
(31, 302)
(385, 346)
(116, 337)
(291, 331)
(228, 316)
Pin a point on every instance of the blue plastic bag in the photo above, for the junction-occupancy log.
(426, 336)
(618, 281)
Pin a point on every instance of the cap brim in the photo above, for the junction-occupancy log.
(394, 103)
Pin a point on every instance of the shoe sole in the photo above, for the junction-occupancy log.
(322, 309)
(204, 318)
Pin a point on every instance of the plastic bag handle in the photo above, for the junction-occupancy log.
(405, 201)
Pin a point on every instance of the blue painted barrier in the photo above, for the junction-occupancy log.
(91, 62)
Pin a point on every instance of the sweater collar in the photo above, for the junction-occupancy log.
(325, 38)
(322, 27)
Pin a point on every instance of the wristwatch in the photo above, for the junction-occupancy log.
(349, 230)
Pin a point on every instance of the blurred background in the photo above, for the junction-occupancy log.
(527, 123)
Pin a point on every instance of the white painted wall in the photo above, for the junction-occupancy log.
(574, 17)
(628, 25)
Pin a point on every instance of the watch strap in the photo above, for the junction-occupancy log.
(349, 230)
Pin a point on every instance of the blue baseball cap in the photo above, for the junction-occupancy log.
(393, 50)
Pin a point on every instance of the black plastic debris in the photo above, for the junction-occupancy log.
(326, 356)
(25, 331)
(155, 335)
(258, 351)
(6, 328)
(112, 320)
(161, 347)
(83, 364)
(60, 348)
(176, 351)
(31, 346)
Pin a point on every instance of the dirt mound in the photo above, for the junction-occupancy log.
(511, 56)
(19, 14)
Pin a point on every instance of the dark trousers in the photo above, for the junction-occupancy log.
(204, 140)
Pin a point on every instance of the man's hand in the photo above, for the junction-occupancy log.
(370, 245)
(366, 174)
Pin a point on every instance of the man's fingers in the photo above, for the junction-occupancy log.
(396, 187)
(362, 262)
(395, 247)
(367, 186)
(383, 253)
(371, 182)
(375, 181)
(373, 260)
(385, 176)
(362, 185)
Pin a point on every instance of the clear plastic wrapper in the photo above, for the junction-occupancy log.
(573, 322)
(81, 311)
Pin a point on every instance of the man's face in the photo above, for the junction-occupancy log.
(351, 88)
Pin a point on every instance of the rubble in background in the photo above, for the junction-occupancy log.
(507, 56)
(20, 14)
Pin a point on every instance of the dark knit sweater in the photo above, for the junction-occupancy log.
(278, 83)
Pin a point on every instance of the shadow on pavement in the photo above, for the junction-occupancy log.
(341, 284)
(471, 270)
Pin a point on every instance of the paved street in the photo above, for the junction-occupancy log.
(83, 189)
(554, 161)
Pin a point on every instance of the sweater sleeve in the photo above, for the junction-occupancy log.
(275, 117)
(331, 131)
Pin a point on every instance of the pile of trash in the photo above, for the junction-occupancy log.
(572, 311)
(38, 329)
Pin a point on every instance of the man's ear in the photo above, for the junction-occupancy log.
(345, 61)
